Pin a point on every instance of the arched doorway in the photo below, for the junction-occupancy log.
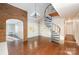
(14, 30)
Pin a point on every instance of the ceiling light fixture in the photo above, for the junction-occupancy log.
(35, 14)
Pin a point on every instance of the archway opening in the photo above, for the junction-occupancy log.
(14, 30)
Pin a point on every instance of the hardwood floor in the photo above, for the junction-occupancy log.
(42, 46)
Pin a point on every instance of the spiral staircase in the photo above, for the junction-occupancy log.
(54, 28)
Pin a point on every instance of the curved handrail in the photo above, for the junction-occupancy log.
(46, 9)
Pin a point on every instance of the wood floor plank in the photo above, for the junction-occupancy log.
(42, 46)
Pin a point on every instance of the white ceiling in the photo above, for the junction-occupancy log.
(65, 10)
(30, 7)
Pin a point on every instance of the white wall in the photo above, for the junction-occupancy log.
(76, 29)
(44, 31)
(69, 26)
(32, 30)
(72, 27)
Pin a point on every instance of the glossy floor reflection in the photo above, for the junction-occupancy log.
(42, 46)
(70, 51)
